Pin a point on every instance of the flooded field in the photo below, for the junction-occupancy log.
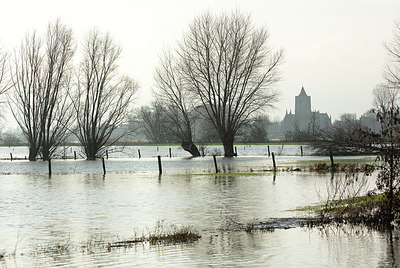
(176, 151)
(252, 158)
(78, 204)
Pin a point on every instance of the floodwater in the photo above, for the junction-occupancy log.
(77, 202)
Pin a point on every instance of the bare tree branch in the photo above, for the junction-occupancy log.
(40, 77)
(102, 98)
(174, 98)
(227, 62)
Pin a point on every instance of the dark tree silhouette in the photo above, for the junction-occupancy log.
(152, 120)
(175, 101)
(387, 141)
(102, 98)
(40, 77)
(386, 102)
(256, 129)
(56, 115)
(26, 97)
(231, 69)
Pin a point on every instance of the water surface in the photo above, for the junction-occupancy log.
(77, 203)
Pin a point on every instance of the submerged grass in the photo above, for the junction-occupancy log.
(342, 167)
(254, 227)
(172, 234)
(224, 174)
(339, 206)
(368, 210)
(160, 234)
(61, 248)
(319, 167)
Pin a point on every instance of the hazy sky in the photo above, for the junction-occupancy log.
(332, 48)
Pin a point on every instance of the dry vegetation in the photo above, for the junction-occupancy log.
(160, 234)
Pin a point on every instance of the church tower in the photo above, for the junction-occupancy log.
(302, 103)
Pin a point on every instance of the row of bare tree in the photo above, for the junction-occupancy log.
(223, 69)
(51, 98)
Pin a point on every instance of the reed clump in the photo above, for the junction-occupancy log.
(172, 234)
(161, 234)
(61, 248)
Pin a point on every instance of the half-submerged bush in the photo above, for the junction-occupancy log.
(173, 234)
(343, 167)
(161, 234)
(369, 210)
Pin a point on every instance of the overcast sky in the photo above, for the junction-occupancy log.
(332, 48)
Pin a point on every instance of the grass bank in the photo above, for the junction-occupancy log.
(369, 210)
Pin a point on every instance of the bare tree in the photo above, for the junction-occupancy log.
(102, 98)
(4, 78)
(311, 132)
(227, 62)
(387, 110)
(56, 114)
(176, 102)
(40, 76)
(392, 70)
(386, 102)
(26, 97)
(4, 73)
(152, 120)
(314, 127)
(256, 129)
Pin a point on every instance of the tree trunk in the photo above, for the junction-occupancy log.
(227, 141)
(90, 151)
(45, 152)
(33, 151)
(190, 147)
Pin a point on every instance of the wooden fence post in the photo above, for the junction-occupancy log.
(332, 163)
(49, 166)
(273, 161)
(104, 166)
(215, 164)
(159, 165)
(139, 154)
(269, 152)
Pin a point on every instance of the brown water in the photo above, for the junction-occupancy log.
(77, 203)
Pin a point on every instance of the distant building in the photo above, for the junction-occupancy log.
(304, 119)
